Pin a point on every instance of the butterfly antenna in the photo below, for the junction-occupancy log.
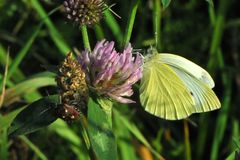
(109, 8)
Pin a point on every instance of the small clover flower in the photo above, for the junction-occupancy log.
(110, 73)
(84, 12)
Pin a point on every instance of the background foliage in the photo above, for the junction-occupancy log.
(206, 33)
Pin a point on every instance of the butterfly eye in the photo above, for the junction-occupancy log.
(67, 113)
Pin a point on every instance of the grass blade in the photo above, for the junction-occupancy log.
(135, 131)
(124, 140)
(3, 144)
(165, 3)
(77, 145)
(54, 33)
(3, 57)
(36, 150)
(23, 52)
(4, 82)
(114, 26)
(27, 86)
(6, 120)
(130, 22)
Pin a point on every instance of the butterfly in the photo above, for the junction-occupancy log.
(173, 87)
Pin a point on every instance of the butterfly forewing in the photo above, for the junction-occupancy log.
(163, 93)
(187, 66)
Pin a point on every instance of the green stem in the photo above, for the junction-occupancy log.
(211, 13)
(218, 23)
(130, 23)
(85, 38)
(113, 26)
(187, 141)
(157, 23)
(216, 58)
(4, 81)
(99, 32)
(36, 150)
(221, 122)
(202, 136)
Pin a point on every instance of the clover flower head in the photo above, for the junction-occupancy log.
(84, 12)
(110, 73)
(73, 89)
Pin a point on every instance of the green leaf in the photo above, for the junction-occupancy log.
(23, 52)
(75, 142)
(7, 119)
(113, 25)
(232, 155)
(100, 132)
(236, 142)
(124, 140)
(39, 114)
(36, 150)
(53, 32)
(165, 3)
(135, 131)
(3, 144)
(27, 86)
(17, 75)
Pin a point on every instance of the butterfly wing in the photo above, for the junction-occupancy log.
(187, 66)
(197, 80)
(204, 97)
(173, 87)
(163, 93)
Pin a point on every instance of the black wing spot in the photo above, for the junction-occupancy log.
(191, 93)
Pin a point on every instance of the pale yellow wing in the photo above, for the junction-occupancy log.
(163, 93)
(204, 97)
(174, 87)
(187, 66)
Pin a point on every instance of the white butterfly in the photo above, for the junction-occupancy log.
(173, 87)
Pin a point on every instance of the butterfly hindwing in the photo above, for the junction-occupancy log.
(204, 97)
